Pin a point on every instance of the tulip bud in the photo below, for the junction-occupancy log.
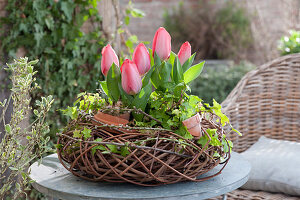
(162, 43)
(184, 52)
(141, 58)
(108, 58)
(131, 79)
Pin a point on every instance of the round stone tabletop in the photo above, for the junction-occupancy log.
(52, 179)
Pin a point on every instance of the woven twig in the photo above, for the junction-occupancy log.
(156, 156)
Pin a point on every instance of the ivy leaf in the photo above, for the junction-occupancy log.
(100, 147)
(112, 148)
(203, 141)
(67, 8)
(193, 72)
(188, 63)
(86, 133)
(124, 151)
(217, 109)
(113, 81)
(77, 134)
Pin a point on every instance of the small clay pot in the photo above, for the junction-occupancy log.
(193, 124)
(122, 119)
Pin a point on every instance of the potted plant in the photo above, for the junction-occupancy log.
(168, 136)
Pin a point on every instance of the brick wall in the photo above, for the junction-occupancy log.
(270, 20)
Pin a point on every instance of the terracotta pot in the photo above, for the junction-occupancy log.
(122, 119)
(193, 124)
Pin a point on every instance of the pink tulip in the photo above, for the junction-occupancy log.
(141, 58)
(184, 52)
(131, 79)
(108, 58)
(162, 43)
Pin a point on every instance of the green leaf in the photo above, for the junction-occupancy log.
(156, 58)
(13, 168)
(147, 77)
(140, 101)
(203, 141)
(188, 63)
(193, 72)
(7, 128)
(217, 110)
(239, 133)
(112, 148)
(172, 58)
(77, 134)
(165, 72)
(177, 73)
(124, 151)
(113, 81)
(100, 147)
(137, 13)
(67, 8)
(86, 133)
(127, 20)
(104, 87)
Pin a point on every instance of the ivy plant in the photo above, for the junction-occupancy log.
(52, 31)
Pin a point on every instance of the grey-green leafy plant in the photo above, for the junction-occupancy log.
(216, 83)
(22, 145)
(215, 29)
(290, 44)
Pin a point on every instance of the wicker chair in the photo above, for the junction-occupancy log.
(266, 102)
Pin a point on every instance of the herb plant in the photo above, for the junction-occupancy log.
(20, 146)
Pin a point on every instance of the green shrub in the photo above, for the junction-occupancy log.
(218, 83)
(290, 44)
(215, 30)
(52, 31)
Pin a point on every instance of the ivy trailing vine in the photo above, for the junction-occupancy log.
(51, 30)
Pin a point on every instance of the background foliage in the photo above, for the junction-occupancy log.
(216, 83)
(51, 30)
(290, 44)
(215, 30)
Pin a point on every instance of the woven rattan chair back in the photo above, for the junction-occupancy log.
(266, 102)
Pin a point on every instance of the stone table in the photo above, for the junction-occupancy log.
(54, 180)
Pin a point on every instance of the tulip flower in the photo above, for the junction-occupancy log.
(184, 52)
(162, 43)
(131, 79)
(141, 58)
(108, 58)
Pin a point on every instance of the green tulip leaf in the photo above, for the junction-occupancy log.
(193, 72)
(104, 87)
(147, 77)
(151, 57)
(177, 73)
(172, 58)
(157, 60)
(113, 81)
(140, 101)
(164, 72)
(188, 63)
